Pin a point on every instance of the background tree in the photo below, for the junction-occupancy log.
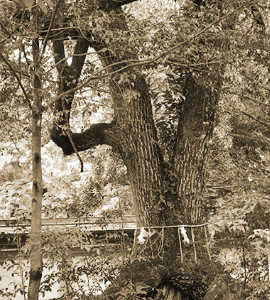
(34, 102)
(37, 189)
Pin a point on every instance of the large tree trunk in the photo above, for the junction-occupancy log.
(139, 147)
(195, 130)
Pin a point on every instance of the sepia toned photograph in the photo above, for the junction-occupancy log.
(135, 150)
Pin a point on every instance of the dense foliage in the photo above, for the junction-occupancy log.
(227, 51)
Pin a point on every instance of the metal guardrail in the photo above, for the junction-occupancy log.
(11, 230)
(93, 223)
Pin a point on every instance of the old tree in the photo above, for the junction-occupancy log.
(191, 50)
(167, 181)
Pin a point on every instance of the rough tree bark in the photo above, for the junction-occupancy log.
(195, 130)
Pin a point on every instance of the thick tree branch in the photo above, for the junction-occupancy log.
(68, 79)
(79, 55)
(59, 55)
(96, 134)
(58, 45)
(113, 4)
(61, 133)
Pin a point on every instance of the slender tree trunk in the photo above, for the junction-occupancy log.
(35, 234)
